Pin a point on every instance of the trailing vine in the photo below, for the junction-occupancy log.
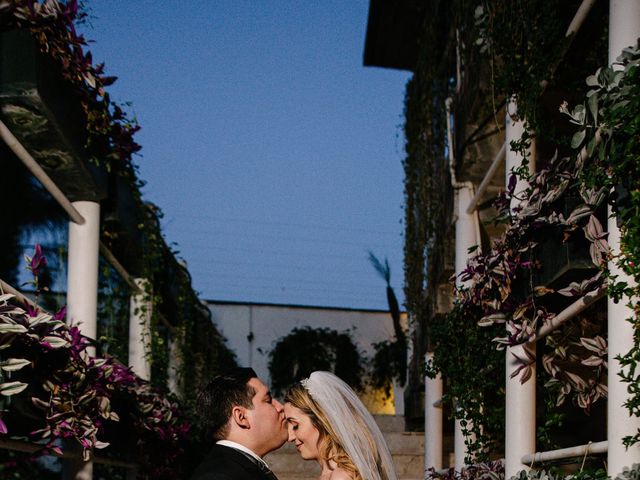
(477, 389)
(425, 211)
(525, 44)
(113, 300)
(51, 23)
(611, 113)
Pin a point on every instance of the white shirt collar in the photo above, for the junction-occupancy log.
(237, 446)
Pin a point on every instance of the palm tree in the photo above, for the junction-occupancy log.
(384, 271)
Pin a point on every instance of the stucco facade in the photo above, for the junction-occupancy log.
(252, 330)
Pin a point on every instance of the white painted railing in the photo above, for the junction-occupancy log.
(491, 172)
(570, 312)
(564, 453)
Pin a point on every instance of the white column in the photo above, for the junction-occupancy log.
(465, 239)
(520, 399)
(432, 420)
(465, 229)
(624, 29)
(520, 415)
(82, 288)
(140, 310)
(82, 270)
(514, 128)
(459, 448)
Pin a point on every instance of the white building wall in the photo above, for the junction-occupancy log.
(268, 323)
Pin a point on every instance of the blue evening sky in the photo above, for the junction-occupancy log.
(275, 155)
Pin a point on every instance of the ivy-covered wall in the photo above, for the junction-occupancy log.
(427, 248)
(480, 54)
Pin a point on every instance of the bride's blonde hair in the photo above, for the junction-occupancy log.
(329, 446)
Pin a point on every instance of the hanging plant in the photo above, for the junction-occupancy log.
(493, 470)
(307, 349)
(475, 393)
(608, 124)
(75, 396)
(577, 363)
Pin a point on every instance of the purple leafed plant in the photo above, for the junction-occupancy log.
(499, 280)
(110, 131)
(46, 360)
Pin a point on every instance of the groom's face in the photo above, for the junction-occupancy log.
(267, 418)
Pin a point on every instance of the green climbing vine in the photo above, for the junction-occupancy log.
(520, 49)
(306, 349)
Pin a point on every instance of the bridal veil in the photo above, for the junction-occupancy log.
(356, 429)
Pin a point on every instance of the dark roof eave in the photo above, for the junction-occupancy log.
(392, 33)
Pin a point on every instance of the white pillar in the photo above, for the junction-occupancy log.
(140, 310)
(82, 270)
(520, 415)
(465, 239)
(624, 29)
(520, 399)
(82, 288)
(459, 448)
(514, 129)
(432, 420)
(465, 229)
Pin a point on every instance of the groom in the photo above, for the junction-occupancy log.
(246, 423)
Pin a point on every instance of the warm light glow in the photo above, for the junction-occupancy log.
(378, 402)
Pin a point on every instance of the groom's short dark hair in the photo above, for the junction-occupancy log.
(218, 397)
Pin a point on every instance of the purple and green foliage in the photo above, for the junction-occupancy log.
(45, 361)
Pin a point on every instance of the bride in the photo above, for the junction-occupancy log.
(329, 424)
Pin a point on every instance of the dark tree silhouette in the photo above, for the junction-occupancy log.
(384, 271)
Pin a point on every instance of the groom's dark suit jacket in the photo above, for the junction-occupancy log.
(226, 463)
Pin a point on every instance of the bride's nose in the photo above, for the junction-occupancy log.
(292, 436)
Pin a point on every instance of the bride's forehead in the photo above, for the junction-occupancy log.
(291, 411)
